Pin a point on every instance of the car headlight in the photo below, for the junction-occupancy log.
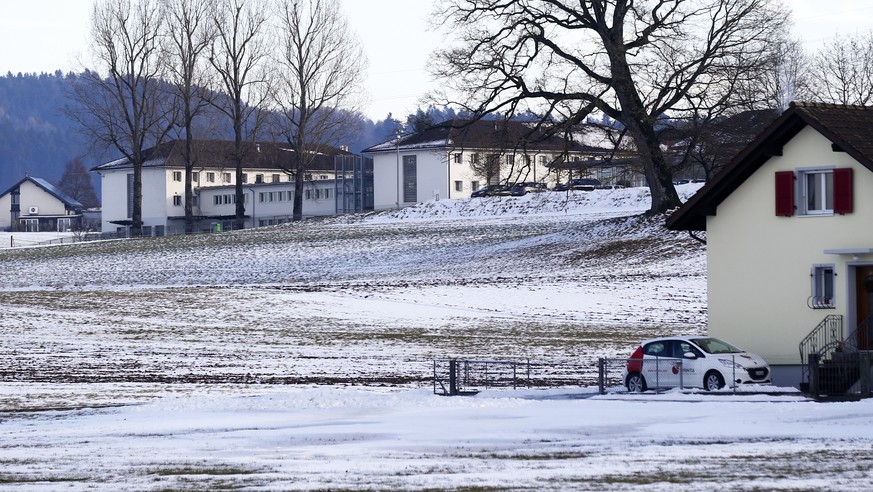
(730, 364)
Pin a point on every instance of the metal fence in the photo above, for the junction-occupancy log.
(464, 377)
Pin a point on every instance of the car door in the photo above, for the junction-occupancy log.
(692, 362)
(659, 366)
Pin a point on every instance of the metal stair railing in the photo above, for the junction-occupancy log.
(852, 342)
(823, 340)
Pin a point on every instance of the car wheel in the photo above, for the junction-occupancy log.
(635, 383)
(713, 381)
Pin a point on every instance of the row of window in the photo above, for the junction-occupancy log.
(459, 185)
(458, 158)
(263, 197)
(227, 177)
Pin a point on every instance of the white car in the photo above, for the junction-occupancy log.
(696, 362)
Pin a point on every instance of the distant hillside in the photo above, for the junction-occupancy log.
(35, 136)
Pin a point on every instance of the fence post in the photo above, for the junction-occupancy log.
(814, 382)
(864, 383)
(453, 379)
(601, 375)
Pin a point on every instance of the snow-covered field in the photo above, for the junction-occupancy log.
(158, 364)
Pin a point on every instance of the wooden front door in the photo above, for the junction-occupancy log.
(864, 293)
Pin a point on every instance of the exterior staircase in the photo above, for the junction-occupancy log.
(834, 367)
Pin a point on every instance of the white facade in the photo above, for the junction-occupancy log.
(163, 204)
(760, 265)
(444, 173)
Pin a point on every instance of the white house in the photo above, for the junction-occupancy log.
(338, 182)
(34, 205)
(789, 239)
(457, 157)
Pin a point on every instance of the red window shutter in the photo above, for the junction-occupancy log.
(785, 193)
(843, 190)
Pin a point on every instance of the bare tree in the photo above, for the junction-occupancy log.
(634, 61)
(842, 71)
(320, 66)
(76, 182)
(127, 109)
(237, 56)
(189, 32)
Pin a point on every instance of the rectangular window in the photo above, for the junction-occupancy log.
(816, 192)
(307, 194)
(318, 193)
(225, 177)
(474, 158)
(210, 177)
(177, 200)
(474, 185)
(276, 178)
(459, 158)
(177, 176)
(327, 193)
(245, 178)
(822, 287)
(195, 200)
(262, 197)
(410, 179)
(459, 186)
(195, 177)
(259, 178)
(64, 225)
(130, 195)
(216, 200)
(510, 159)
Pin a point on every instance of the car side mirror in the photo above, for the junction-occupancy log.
(690, 355)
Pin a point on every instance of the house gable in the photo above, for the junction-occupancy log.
(846, 129)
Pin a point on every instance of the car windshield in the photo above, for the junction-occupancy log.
(715, 346)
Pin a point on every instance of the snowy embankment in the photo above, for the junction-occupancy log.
(557, 278)
(141, 364)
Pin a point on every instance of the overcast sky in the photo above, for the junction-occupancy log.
(46, 35)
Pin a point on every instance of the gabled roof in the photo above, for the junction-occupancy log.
(219, 154)
(481, 134)
(849, 128)
(69, 202)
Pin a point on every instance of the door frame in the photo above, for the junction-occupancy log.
(854, 290)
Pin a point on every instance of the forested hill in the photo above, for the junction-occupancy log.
(35, 136)
(38, 138)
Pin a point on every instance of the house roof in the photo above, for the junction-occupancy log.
(849, 128)
(68, 201)
(219, 154)
(461, 133)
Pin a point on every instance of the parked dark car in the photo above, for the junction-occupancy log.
(560, 187)
(491, 190)
(584, 184)
(521, 189)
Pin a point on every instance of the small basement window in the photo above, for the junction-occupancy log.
(822, 287)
